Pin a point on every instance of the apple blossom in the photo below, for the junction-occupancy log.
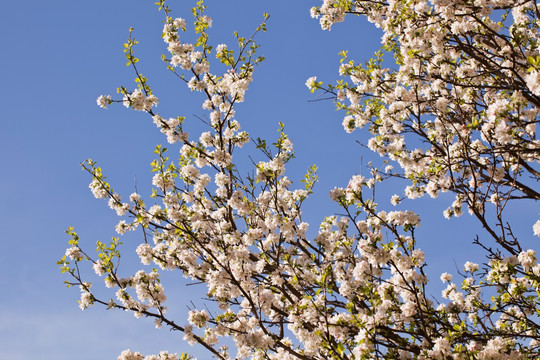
(455, 113)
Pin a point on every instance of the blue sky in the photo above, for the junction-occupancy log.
(58, 56)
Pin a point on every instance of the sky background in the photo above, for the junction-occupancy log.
(57, 57)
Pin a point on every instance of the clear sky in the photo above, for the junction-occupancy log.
(57, 57)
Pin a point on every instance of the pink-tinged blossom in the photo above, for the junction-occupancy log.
(471, 267)
(527, 259)
(198, 318)
(311, 83)
(220, 49)
(138, 101)
(336, 194)
(87, 299)
(98, 189)
(190, 172)
(533, 82)
(130, 355)
(74, 253)
(221, 158)
(134, 197)
(145, 253)
(104, 101)
(179, 23)
(446, 277)
(99, 268)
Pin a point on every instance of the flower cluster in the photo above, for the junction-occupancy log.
(457, 112)
(465, 85)
(130, 355)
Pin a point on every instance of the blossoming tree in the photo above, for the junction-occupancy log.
(455, 111)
